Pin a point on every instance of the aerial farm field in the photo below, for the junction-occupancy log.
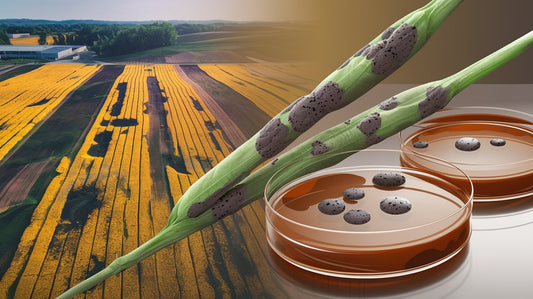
(94, 157)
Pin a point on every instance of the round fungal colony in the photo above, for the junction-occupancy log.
(393, 205)
(466, 144)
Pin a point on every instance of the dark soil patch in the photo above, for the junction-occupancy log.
(57, 137)
(159, 141)
(117, 107)
(124, 122)
(102, 144)
(80, 204)
(41, 102)
(246, 115)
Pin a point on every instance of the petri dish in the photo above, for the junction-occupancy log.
(501, 168)
(389, 243)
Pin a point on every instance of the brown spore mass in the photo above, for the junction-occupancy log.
(318, 148)
(387, 55)
(436, 98)
(230, 203)
(311, 108)
(271, 139)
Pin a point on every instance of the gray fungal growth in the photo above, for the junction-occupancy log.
(353, 193)
(291, 105)
(387, 33)
(436, 98)
(230, 203)
(271, 139)
(420, 144)
(498, 142)
(373, 139)
(395, 205)
(311, 108)
(388, 104)
(393, 50)
(361, 51)
(388, 179)
(198, 208)
(357, 216)
(318, 148)
(467, 144)
(356, 54)
(370, 124)
(331, 206)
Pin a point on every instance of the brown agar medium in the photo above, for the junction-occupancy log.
(432, 231)
(500, 169)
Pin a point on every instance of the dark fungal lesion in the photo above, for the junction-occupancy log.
(388, 104)
(271, 139)
(356, 54)
(311, 108)
(230, 203)
(394, 48)
(198, 208)
(368, 126)
(436, 99)
(318, 148)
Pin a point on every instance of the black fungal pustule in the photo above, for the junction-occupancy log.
(198, 208)
(498, 142)
(311, 108)
(331, 206)
(388, 179)
(467, 144)
(356, 216)
(348, 121)
(273, 162)
(271, 139)
(395, 205)
(436, 99)
(318, 148)
(388, 104)
(420, 144)
(370, 124)
(230, 203)
(353, 193)
(387, 55)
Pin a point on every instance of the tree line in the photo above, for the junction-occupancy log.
(109, 39)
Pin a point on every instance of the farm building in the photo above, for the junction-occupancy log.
(39, 52)
(18, 35)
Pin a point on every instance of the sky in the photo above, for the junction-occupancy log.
(146, 10)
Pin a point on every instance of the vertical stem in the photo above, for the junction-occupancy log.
(483, 67)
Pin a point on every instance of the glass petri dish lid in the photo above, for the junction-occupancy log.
(501, 167)
(391, 230)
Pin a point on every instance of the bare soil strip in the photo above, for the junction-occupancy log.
(246, 116)
(20, 185)
(232, 131)
(158, 143)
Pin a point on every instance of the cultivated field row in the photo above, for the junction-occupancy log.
(152, 139)
(27, 99)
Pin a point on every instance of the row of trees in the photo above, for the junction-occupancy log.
(109, 39)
